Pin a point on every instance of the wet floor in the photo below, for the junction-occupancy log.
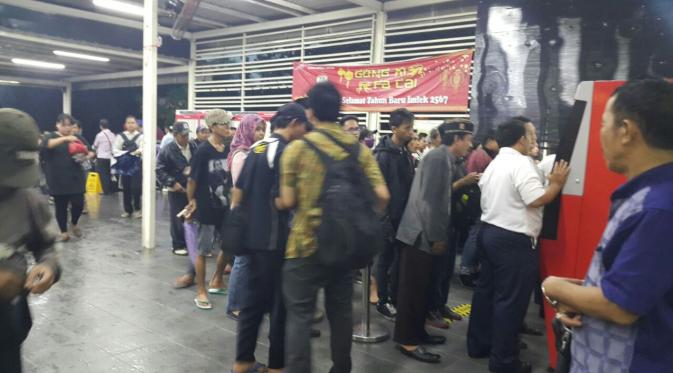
(114, 310)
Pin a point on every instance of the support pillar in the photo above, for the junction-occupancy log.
(191, 76)
(378, 45)
(150, 50)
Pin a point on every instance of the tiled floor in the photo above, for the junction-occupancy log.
(115, 311)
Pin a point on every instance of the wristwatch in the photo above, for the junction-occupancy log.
(552, 302)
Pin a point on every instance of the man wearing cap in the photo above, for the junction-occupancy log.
(208, 195)
(28, 230)
(172, 171)
(512, 196)
(264, 238)
(424, 230)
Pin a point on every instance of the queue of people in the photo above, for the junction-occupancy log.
(260, 203)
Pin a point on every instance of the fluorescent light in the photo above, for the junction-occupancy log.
(81, 56)
(8, 82)
(120, 6)
(41, 64)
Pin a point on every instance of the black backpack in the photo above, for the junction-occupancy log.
(130, 145)
(350, 234)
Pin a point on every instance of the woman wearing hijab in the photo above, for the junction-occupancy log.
(250, 130)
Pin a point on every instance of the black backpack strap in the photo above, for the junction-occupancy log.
(136, 137)
(351, 150)
(124, 137)
(326, 159)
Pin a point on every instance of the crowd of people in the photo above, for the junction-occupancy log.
(266, 207)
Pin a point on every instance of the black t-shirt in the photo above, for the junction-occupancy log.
(267, 227)
(64, 174)
(209, 170)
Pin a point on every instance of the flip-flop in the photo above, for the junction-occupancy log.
(204, 305)
(218, 291)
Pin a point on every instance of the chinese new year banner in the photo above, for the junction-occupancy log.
(431, 84)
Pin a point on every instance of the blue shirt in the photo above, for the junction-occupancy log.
(633, 266)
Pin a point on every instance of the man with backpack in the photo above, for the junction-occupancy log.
(130, 143)
(397, 167)
(334, 183)
(424, 230)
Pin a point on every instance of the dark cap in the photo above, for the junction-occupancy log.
(180, 128)
(455, 128)
(19, 146)
(287, 113)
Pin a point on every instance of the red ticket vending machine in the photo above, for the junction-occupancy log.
(574, 224)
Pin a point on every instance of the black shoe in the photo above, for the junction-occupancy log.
(434, 340)
(315, 333)
(387, 310)
(447, 313)
(525, 329)
(523, 345)
(233, 316)
(420, 354)
(467, 281)
(519, 367)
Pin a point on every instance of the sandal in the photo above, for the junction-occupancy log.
(217, 291)
(203, 304)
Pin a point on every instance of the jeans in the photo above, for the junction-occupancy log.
(265, 295)
(239, 277)
(470, 262)
(61, 202)
(132, 191)
(509, 268)
(302, 278)
(177, 202)
(387, 272)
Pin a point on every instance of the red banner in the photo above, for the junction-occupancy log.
(423, 85)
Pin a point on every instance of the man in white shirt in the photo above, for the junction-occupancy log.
(103, 145)
(512, 196)
(130, 143)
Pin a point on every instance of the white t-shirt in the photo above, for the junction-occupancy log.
(510, 183)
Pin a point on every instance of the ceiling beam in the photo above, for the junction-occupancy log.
(371, 4)
(33, 81)
(208, 22)
(287, 22)
(86, 47)
(231, 12)
(185, 17)
(128, 74)
(274, 8)
(47, 8)
(291, 5)
(389, 6)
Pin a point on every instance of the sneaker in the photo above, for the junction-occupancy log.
(436, 321)
(387, 310)
(180, 252)
(126, 215)
(137, 215)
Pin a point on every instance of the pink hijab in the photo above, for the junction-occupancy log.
(244, 137)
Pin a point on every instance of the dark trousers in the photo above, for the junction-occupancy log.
(509, 267)
(302, 278)
(10, 359)
(387, 272)
(61, 203)
(470, 262)
(442, 271)
(412, 299)
(132, 190)
(265, 295)
(103, 169)
(177, 202)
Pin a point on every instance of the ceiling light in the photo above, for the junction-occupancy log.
(81, 56)
(41, 64)
(120, 6)
(8, 82)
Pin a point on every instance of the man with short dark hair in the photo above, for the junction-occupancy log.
(264, 238)
(351, 125)
(622, 313)
(103, 144)
(130, 144)
(424, 230)
(512, 196)
(397, 167)
(172, 172)
(302, 177)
